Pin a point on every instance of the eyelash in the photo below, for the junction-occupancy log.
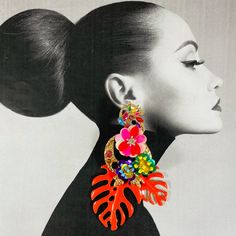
(192, 63)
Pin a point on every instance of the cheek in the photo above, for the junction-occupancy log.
(175, 97)
(173, 88)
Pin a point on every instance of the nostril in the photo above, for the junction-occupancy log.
(213, 86)
(215, 83)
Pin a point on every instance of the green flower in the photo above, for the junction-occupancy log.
(144, 164)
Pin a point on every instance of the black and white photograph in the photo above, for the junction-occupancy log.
(117, 118)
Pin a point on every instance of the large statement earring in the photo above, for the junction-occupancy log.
(136, 171)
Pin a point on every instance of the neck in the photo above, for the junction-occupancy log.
(157, 141)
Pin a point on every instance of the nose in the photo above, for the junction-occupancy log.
(215, 81)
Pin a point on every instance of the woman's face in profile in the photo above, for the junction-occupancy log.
(178, 94)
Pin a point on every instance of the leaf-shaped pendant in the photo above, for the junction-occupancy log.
(114, 199)
(154, 188)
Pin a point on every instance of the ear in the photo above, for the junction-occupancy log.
(122, 89)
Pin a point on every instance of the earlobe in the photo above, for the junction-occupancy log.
(120, 89)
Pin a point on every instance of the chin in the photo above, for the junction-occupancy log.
(211, 128)
(214, 130)
(214, 126)
(200, 128)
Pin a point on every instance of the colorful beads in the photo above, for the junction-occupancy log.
(144, 164)
(121, 121)
(108, 154)
(131, 114)
(125, 171)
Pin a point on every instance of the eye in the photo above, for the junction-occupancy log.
(192, 63)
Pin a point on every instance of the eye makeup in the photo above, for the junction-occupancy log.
(192, 63)
(187, 54)
(186, 43)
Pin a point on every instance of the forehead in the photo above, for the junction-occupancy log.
(172, 31)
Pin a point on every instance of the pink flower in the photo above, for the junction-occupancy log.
(131, 141)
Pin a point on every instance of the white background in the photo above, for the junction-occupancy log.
(39, 157)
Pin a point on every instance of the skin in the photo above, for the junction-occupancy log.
(175, 97)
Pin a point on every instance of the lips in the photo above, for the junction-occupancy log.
(217, 106)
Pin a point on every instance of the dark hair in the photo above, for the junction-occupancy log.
(33, 46)
(115, 38)
(42, 51)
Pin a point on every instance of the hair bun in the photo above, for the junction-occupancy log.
(33, 47)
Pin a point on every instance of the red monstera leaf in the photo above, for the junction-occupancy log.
(113, 200)
(154, 188)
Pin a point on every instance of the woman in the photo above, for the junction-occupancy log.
(129, 51)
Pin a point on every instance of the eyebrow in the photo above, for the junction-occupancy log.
(186, 43)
